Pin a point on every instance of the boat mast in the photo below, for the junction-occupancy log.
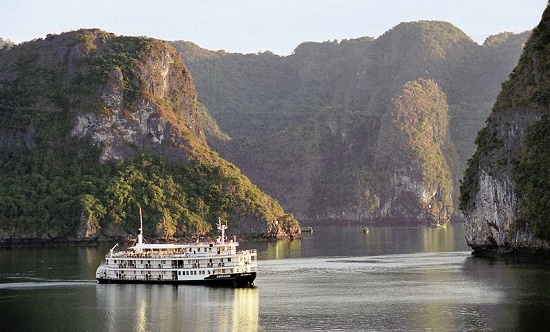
(222, 228)
(140, 235)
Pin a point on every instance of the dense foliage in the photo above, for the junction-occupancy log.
(53, 184)
(120, 53)
(419, 114)
(272, 107)
(528, 85)
(529, 80)
(41, 197)
(512, 152)
(532, 177)
(315, 160)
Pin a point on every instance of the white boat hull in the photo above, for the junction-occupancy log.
(244, 279)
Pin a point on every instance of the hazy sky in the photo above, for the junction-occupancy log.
(250, 26)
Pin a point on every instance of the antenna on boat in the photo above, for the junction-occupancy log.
(222, 228)
(113, 248)
(140, 235)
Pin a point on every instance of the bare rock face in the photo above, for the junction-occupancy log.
(492, 213)
(125, 97)
(498, 218)
(495, 207)
(410, 148)
(147, 99)
(161, 114)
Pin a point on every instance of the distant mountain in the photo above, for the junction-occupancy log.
(94, 126)
(307, 127)
(505, 193)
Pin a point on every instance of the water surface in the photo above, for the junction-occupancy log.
(335, 279)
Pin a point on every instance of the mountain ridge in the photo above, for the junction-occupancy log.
(260, 99)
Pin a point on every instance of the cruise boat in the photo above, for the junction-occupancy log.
(215, 263)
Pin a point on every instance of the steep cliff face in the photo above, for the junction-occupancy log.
(306, 127)
(501, 196)
(410, 155)
(93, 125)
(493, 214)
(152, 79)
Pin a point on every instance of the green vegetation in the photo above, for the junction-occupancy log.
(532, 178)
(272, 107)
(524, 85)
(526, 88)
(268, 92)
(514, 145)
(52, 183)
(176, 199)
(120, 53)
(41, 188)
(419, 115)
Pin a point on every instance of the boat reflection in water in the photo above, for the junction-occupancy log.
(139, 307)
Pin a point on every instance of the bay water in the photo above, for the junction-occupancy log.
(337, 278)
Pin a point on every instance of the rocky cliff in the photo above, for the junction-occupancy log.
(504, 193)
(410, 155)
(93, 125)
(165, 109)
(306, 127)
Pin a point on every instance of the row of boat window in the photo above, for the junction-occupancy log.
(187, 250)
(189, 261)
(122, 273)
(187, 273)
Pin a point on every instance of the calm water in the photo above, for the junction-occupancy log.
(338, 279)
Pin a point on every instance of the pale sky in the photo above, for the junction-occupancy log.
(251, 26)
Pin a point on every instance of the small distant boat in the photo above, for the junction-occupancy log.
(365, 230)
(308, 229)
(216, 263)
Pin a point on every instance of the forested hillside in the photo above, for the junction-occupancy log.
(94, 126)
(307, 127)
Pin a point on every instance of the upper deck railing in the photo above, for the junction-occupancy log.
(167, 254)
